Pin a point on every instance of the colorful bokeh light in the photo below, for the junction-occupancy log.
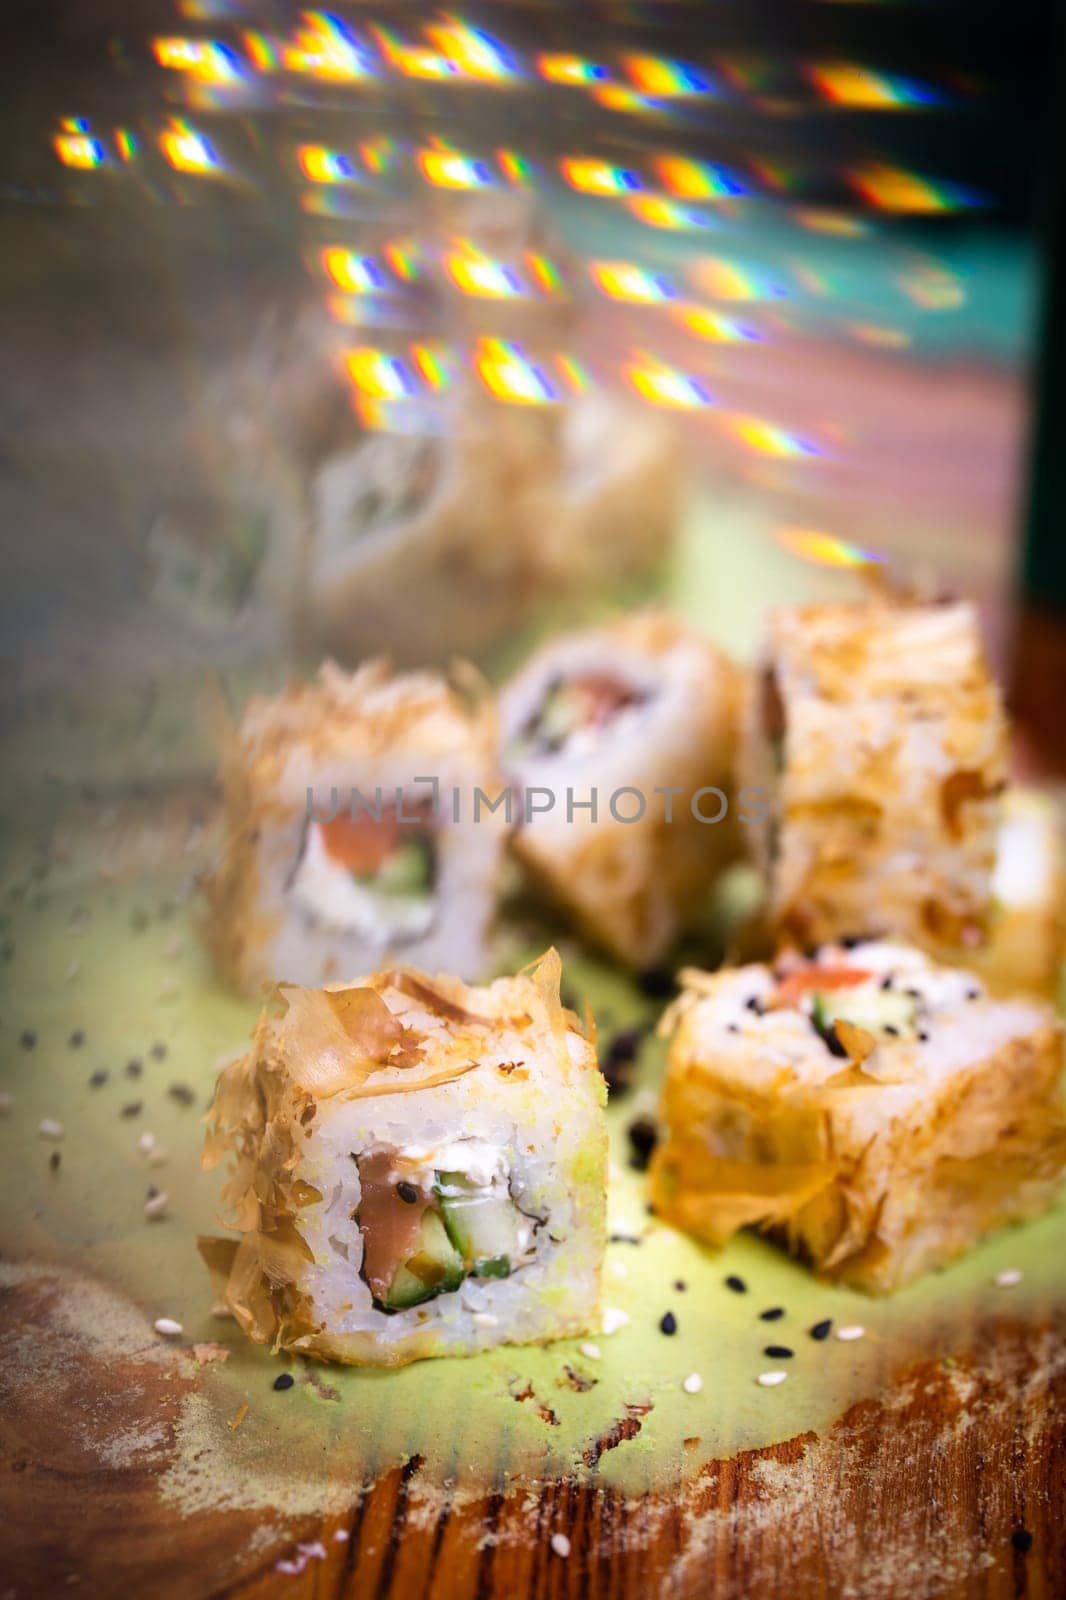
(824, 549)
(665, 386)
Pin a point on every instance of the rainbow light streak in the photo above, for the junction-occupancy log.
(403, 261)
(433, 365)
(686, 179)
(203, 59)
(320, 165)
(326, 48)
(516, 169)
(378, 375)
(262, 51)
(188, 151)
(845, 83)
(379, 154)
(411, 61)
(619, 97)
(76, 147)
(932, 287)
(572, 71)
(509, 375)
(623, 280)
(720, 279)
(574, 375)
(474, 273)
(544, 274)
(665, 386)
(824, 549)
(125, 143)
(655, 211)
(589, 176)
(665, 80)
(447, 169)
(712, 326)
(767, 439)
(834, 224)
(470, 53)
(896, 190)
(352, 273)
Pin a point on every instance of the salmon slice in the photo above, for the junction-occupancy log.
(363, 843)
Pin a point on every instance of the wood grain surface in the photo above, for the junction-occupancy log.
(930, 1488)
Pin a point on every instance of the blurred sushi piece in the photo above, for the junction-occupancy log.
(618, 715)
(353, 830)
(881, 741)
(405, 1184)
(1026, 934)
(877, 1112)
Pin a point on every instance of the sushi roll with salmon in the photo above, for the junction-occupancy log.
(420, 1169)
(881, 743)
(354, 831)
(621, 742)
(876, 1112)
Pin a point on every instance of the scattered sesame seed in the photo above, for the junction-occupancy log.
(752, 1003)
(643, 1137)
(821, 1329)
(221, 1311)
(973, 994)
(737, 1285)
(613, 1319)
(680, 1285)
(98, 1078)
(657, 983)
(342, 1536)
(314, 1549)
(158, 1051)
(778, 1352)
(155, 1207)
(590, 1351)
(290, 1568)
(146, 1143)
(1008, 1278)
(54, 1159)
(886, 983)
(182, 1094)
(27, 1039)
(485, 1319)
(132, 1108)
(774, 1314)
(407, 1192)
(890, 1028)
(6, 1102)
(850, 1332)
(693, 1383)
(77, 1039)
(560, 1544)
(923, 1037)
(1022, 1540)
(49, 1128)
(618, 1269)
(134, 1069)
(732, 1027)
(168, 1327)
(770, 1380)
(668, 1323)
(284, 1380)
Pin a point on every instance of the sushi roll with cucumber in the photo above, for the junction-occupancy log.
(354, 830)
(621, 742)
(876, 1112)
(881, 743)
(420, 1169)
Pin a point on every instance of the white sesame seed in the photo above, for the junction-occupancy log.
(168, 1327)
(156, 1207)
(590, 1351)
(850, 1332)
(770, 1380)
(693, 1383)
(342, 1536)
(6, 1102)
(613, 1319)
(619, 1269)
(485, 1319)
(313, 1548)
(289, 1567)
(1008, 1277)
(146, 1143)
(221, 1310)
(48, 1128)
(561, 1545)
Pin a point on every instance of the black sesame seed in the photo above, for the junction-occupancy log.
(752, 1003)
(892, 1029)
(643, 1137)
(54, 1159)
(619, 1058)
(774, 1314)
(407, 1192)
(656, 983)
(133, 1109)
(886, 983)
(680, 1285)
(732, 1027)
(821, 1329)
(623, 1238)
(182, 1094)
(779, 1352)
(284, 1380)
(851, 940)
(28, 1039)
(98, 1078)
(77, 1039)
(975, 994)
(158, 1051)
(833, 1043)
(668, 1323)
(923, 1038)
(913, 994)
(1022, 1539)
(134, 1069)
(737, 1285)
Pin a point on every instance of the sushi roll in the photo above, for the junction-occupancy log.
(1025, 945)
(420, 1169)
(881, 744)
(877, 1112)
(355, 831)
(616, 716)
